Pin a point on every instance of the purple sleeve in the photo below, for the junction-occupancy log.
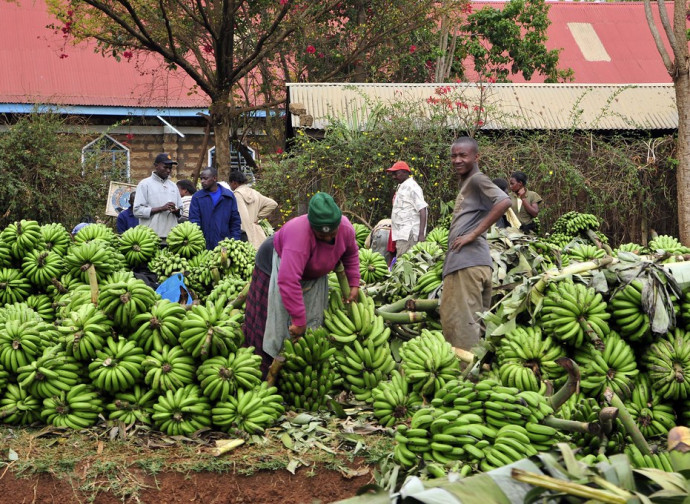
(292, 265)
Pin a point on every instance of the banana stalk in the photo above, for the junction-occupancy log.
(241, 297)
(422, 305)
(93, 282)
(573, 269)
(628, 422)
(572, 425)
(559, 398)
(399, 305)
(595, 239)
(226, 445)
(567, 487)
(404, 318)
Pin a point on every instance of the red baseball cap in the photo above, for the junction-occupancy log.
(399, 165)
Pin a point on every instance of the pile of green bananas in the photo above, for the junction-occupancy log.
(574, 313)
(361, 233)
(43, 305)
(52, 373)
(169, 369)
(209, 330)
(186, 239)
(123, 301)
(56, 238)
(202, 273)
(20, 343)
(512, 443)
(653, 418)
(627, 312)
(220, 377)
(372, 266)
(582, 252)
(134, 406)
(22, 237)
(138, 244)
(428, 362)
(18, 407)
(660, 460)
(83, 332)
(252, 410)
(633, 248)
(668, 364)
(182, 412)
(356, 321)
(439, 235)
(394, 401)
(308, 372)
(40, 267)
(94, 232)
(430, 280)
(117, 367)
(165, 263)
(587, 409)
(615, 367)
(14, 287)
(458, 395)
(525, 358)
(230, 287)
(79, 408)
(159, 327)
(235, 257)
(667, 244)
(363, 366)
(573, 223)
(104, 258)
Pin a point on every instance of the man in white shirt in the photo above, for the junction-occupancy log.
(409, 213)
(158, 202)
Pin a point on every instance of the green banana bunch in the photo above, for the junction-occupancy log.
(504, 406)
(372, 266)
(525, 358)
(573, 223)
(408, 269)
(138, 244)
(78, 409)
(56, 238)
(208, 330)
(165, 263)
(169, 369)
(18, 407)
(660, 460)
(43, 305)
(94, 232)
(357, 320)
(629, 247)
(439, 235)
(573, 313)
(96, 253)
(667, 244)
(512, 443)
(235, 257)
(78, 296)
(668, 364)
(221, 377)
(117, 367)
(61, 286)
(361, 233)
(20, 343)
(652, 418)
(160, 326)
(428, 361)
(459, 395)
(182, 412)
(84, 332)
(430, 280)
(52, 373)
(308, 373)
(230, 287)
(22, 237)
(186, 240)
(363, 366)
(5, 257)
(202, 274)
(627, 312)
(560, 240)
(14, 288)
(40, 267)
(252, 410)
(123, 301)
(567, 409)
(583, 252)
(615, 367)
(587, 410)
(393, 400)
(134, 406)
(4, 378)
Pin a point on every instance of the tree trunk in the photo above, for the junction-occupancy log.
(682, 85)
(221, 120)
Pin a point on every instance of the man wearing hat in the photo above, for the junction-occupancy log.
(158, 202)
(408, 218)
(289, 286)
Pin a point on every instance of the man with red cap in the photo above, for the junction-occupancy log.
(409, 213)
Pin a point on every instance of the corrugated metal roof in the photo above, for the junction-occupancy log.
(34, 72)
(524, 106)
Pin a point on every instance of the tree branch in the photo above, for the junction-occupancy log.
(657, 37)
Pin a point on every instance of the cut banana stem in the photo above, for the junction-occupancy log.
(422, 304)
(628, 422)
(404, 318)
(464, 355)
(607, 418)
(571, 385)
(572, 425)
(396, 307)
(566, 486)
(93, 282)
(226, 445)
(241, 297)
(573, 269)
(342, 280)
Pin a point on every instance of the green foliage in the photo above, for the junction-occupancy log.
(608, 175)
(41, 170)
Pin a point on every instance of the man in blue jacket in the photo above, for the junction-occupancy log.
(214, 209)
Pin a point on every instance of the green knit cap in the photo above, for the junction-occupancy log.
(323, 214)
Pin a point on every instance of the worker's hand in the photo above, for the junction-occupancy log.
(461, 241)
(354, 292)
(521, 192)
(297, 331)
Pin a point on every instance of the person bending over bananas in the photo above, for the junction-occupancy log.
(289, 286)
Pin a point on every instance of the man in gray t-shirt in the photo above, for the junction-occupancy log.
(467, 269)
